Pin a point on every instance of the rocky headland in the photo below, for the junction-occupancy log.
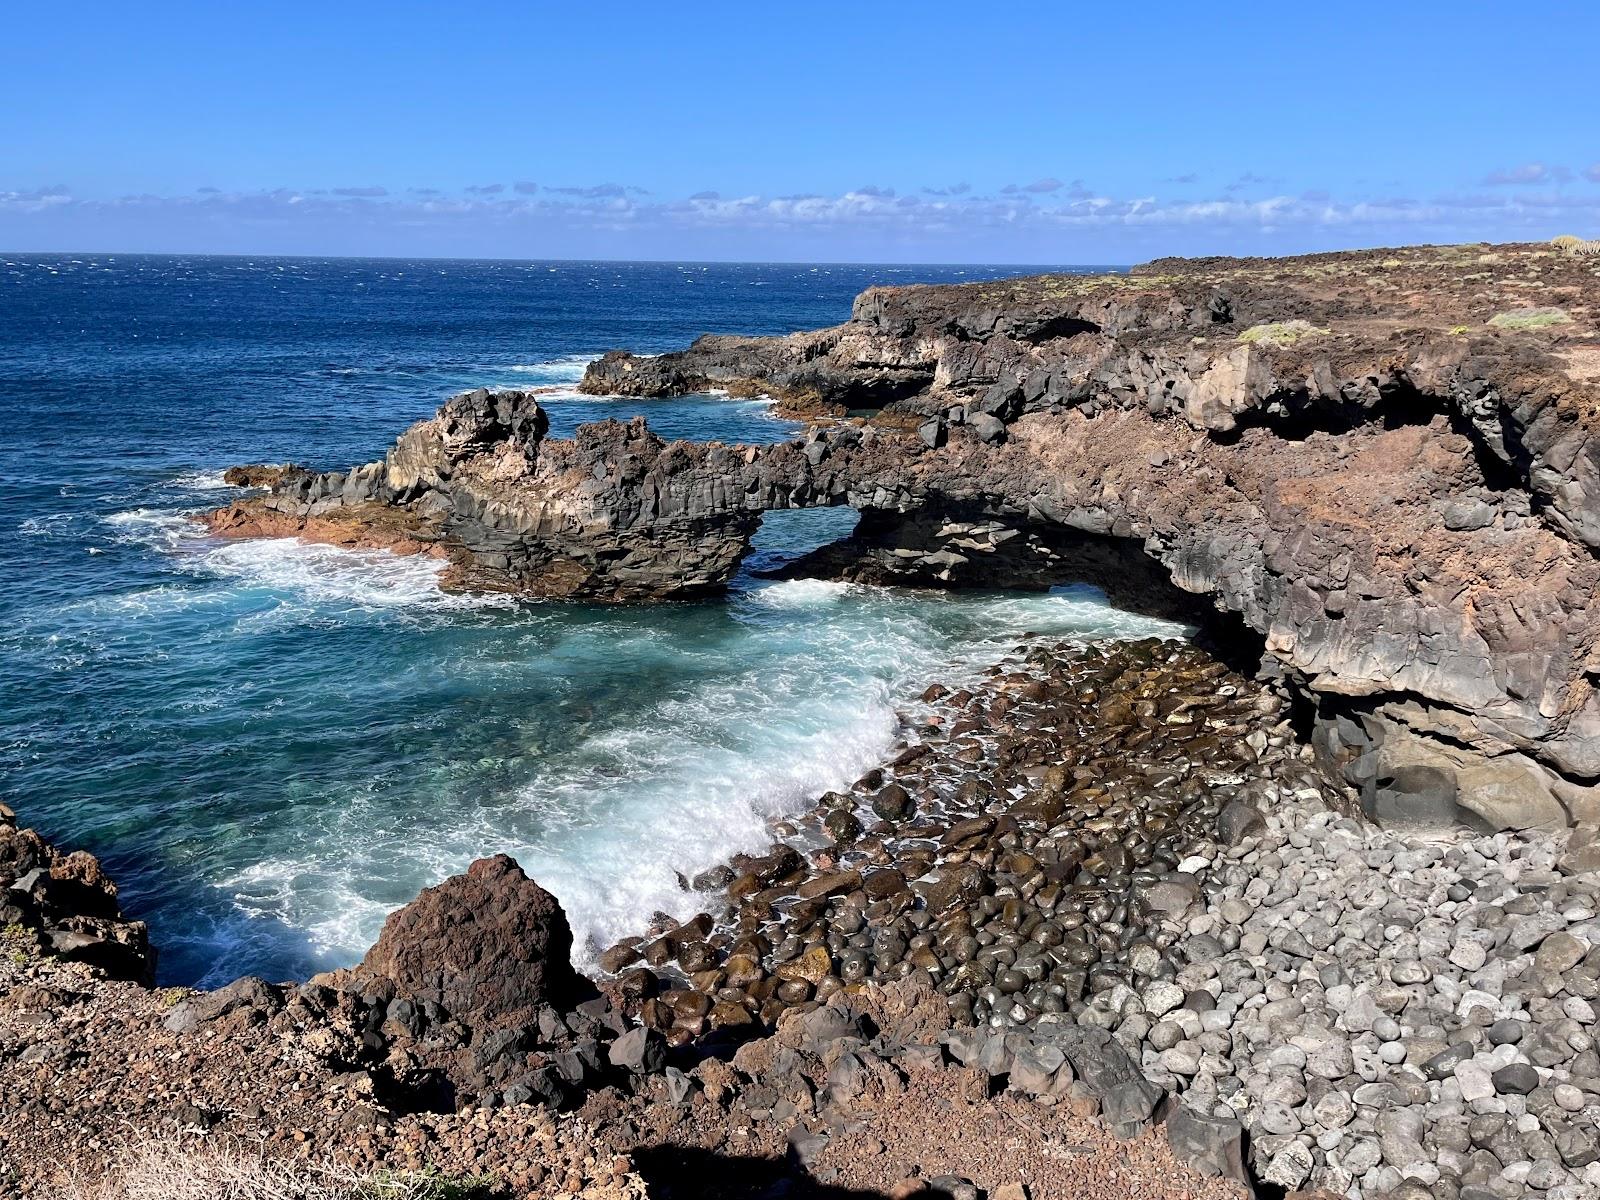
(1378, 465)
(1311, 905)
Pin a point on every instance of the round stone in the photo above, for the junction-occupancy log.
(1234, 912)
(1334, 1111)
(1506, 1032)
(1567, 1097)
(1407, 973)
(1515, 1079)
(1162, 997)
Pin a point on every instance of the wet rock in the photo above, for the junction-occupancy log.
(842, 826)
(893, 803)
(620, 956)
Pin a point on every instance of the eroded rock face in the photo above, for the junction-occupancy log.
(1400, 496)
(614, 514)
(63, 904)
(491, 947)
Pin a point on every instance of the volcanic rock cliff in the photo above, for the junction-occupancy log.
(1381, 462)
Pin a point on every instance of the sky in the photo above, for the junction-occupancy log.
(818, 131)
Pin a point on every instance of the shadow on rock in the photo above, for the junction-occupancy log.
(677, 1173)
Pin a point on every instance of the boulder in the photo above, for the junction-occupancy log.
(491, 947)
(640, 1051)
(1213, 1146)
(1509, 793)
(989, 428)
(1238, 820)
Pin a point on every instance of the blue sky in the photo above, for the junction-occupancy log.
(933, 132)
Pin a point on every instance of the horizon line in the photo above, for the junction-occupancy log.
(696, 262)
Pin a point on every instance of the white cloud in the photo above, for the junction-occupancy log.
(37, 200)
(1527, 173)
(614, 219)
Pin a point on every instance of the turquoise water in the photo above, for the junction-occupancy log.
(272, 745)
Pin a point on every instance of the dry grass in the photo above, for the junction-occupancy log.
(1279, 333)
(1530, 318)
(169, 1170)
(1569, 244)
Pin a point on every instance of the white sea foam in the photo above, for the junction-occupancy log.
(691, 803)
(200, 481)
(302, 573)
(48, 525)
(609, 823)
(328, 574)
(802, 593)
(157, 528)
(568, 368)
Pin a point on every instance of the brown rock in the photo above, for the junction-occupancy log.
(490, 947)
(833, 884)
(813, 966)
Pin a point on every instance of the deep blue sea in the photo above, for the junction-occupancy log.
(272, 745)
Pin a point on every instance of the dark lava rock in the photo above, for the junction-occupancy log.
(1515, 1079)
(1127, 1099)
(65, 903)
(490, 947)
(639, 1051)
(893, 803)
(843, 827)
(1238, 821)
(989, 428)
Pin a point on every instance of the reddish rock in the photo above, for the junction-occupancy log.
(490, 947)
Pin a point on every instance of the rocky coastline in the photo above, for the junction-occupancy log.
(1345, 456)
(1164, 951)
(1309, 906)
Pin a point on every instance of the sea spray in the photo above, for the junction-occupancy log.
(273, 745)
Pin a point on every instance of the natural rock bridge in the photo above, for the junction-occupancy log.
(1381, 463)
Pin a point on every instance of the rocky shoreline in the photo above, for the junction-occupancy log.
(1308, 907)
(1104, 894)
(1345, 456)
(397, 1063)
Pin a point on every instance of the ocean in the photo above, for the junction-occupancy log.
(273, 745)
